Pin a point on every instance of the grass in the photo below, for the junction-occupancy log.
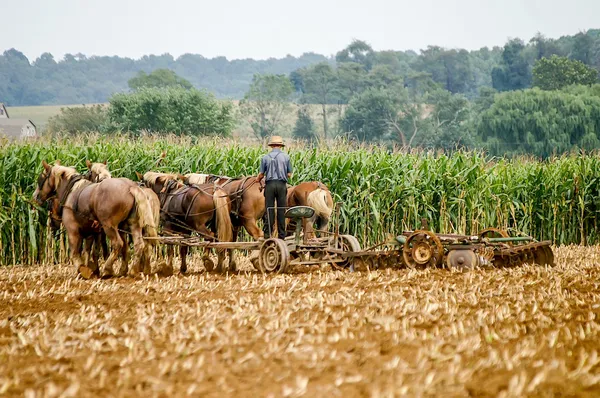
(39, 115)
(526, 331)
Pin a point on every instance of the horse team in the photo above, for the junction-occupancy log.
(95, 206)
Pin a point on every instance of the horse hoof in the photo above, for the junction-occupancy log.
(183, 270)
(135, 274)
(107, 274)
(164, 270)
(209, 265)
(85, 272)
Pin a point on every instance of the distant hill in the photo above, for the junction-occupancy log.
(77, 79)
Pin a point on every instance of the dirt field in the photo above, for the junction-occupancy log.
(529, 331)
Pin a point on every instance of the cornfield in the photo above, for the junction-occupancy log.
(382, 191)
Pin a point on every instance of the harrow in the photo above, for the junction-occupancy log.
(491, 247)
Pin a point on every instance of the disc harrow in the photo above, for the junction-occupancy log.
(492, 247)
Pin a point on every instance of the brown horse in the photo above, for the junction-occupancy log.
(98, 172)
(316, 195)
(247, 203)
(187, 209)
(111, 204)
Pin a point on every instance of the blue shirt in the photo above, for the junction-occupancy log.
(276, 165)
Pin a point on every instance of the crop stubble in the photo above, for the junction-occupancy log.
(503, 332)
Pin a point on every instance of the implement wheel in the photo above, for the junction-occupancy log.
(423, 248)
(543, 256)
(274, 256)
(347, 243)
(462, 259)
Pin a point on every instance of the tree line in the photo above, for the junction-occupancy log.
(77, 79)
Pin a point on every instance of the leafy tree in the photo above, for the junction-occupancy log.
(159, 78)
(320, 85)
(305, 127)
(541, 122)
(543, 46)
(514, 72)
(582, 50)
(266, 103)
(358, 52)
(351, 80)
(446, 121)
(79, 119)
(170, 110)
(380, 114)
(451, 68)
(557, 72)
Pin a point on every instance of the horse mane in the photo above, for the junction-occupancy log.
(101, 170)
(151, 177)
(62, 172)
(195, 178)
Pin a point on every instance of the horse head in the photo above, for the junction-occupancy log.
(50, 180)
(97, 172)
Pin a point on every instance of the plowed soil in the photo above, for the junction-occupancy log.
(527, 331)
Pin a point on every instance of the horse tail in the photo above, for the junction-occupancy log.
(224, 225)
(321, 201)
(144, 212)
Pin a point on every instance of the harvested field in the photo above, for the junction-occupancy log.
(527, 331)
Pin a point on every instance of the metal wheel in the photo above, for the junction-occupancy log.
(274, 256)
(423, 248)
(462, 259)
(347, 243)
(543, 256)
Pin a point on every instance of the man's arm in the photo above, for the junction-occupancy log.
(263, 169)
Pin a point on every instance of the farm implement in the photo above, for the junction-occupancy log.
(491, 247)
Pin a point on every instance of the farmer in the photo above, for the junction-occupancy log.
(275, 168)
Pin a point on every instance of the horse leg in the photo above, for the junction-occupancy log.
(116, 244)
(232, 253)
(252, 228)
(139, 246)
(183, 251)
(75, 244)
(124, 255)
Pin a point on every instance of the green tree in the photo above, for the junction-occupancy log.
(351, 80)
(381, 114)
(557, 72)
(358, 52)
(305, 127)
(320, 85)
(541, 122)
(266, 103)
(79, 119)
(514, 73)
(170, 110)
(159, 78)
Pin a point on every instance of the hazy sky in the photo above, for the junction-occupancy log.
(274, 28)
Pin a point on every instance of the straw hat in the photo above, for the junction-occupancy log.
(276, 140)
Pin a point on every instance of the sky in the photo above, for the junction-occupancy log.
(262, 29)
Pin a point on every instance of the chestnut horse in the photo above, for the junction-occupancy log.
(316, 195)
(111, 204)
(187, 209)
(98, 172)
(247, 203)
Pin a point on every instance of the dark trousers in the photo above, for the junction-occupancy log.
(275, 191)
